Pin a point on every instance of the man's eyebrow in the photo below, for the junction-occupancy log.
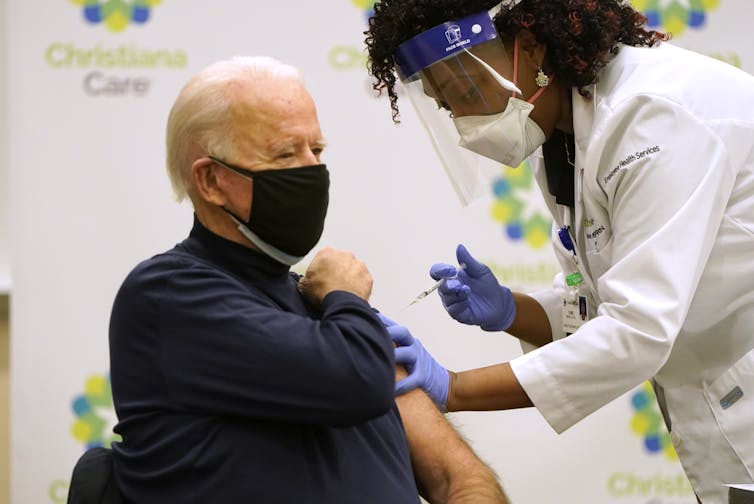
(278, 146)
(289, 146)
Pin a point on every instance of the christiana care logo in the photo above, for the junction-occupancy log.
(347, 56)
(668, 485)
(519, 218)
(675, 16)
(366, 5)
(112, 67)
(92, 425)
(94, 413)
(116, 15)
(518, 209)
(647, 423)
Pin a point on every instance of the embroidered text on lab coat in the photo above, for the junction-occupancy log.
(623, 163)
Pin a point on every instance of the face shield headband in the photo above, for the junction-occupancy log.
(443, 41)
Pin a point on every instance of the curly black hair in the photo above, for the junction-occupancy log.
(581, 36)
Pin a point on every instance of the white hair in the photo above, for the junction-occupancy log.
(200, 119)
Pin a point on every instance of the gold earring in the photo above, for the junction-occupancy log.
(541, 79)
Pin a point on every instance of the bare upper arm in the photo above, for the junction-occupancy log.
(445, 467)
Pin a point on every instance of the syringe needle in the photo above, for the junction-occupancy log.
(434, 287)
(427, 292)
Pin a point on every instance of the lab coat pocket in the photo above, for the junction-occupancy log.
(731, 398)
(599, 259)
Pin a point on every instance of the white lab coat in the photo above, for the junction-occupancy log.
(664, 231)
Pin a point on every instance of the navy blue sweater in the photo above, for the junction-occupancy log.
(230, 389)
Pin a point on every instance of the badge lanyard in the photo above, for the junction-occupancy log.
(575, 305)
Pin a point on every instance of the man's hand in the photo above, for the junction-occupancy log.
(332, 270)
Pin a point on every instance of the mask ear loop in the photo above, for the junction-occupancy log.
(515, 64)
(540, 90)
(515, 75)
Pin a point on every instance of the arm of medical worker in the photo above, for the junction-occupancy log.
(474, 296)
(483, 389)
(488, 388)
(445, 467)
(531, 323)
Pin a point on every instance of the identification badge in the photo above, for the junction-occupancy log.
(575, 306)
(574, 313)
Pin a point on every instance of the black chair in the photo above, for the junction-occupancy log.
(92, 481)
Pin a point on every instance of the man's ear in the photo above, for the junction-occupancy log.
(530, 49)
(205, 181)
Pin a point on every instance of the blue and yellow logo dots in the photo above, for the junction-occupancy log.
(116, 15)
(647, 422)
(94, 413)
(509, 210)
(675, 16)
(366, 5)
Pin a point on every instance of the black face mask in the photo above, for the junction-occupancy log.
(288, 209)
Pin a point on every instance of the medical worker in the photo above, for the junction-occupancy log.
(644, 153)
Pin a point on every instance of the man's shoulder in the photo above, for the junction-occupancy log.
(159, 268)
(162, 263)
(177, 269)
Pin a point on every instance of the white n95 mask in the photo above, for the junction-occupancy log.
(508, 137)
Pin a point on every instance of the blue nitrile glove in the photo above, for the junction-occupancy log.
(473, 295)
(423, 370)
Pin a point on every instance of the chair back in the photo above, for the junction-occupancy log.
(92, 480)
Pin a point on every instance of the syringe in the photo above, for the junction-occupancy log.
(434, 287)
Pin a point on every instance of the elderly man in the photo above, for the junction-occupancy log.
(236, 380)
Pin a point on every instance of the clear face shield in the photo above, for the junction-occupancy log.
(453, 76)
